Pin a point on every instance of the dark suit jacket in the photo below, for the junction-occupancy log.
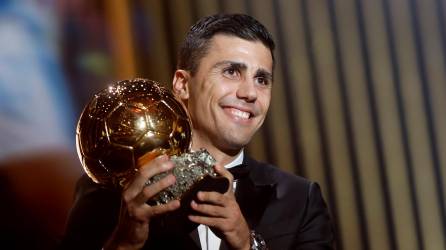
(287, 210)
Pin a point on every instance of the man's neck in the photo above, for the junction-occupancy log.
(221, 156)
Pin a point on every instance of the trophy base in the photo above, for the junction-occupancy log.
(177, 221)
(190, 169)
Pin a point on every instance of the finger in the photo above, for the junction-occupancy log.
(154, 188)
(225, 173)
(208, 221)
(221, 170)
(156, 166)
(164, 208)
(145, 212)
(212, 198)
(209, 210)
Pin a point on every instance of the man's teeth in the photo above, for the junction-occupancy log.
(239, 113)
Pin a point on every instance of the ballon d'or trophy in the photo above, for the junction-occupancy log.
(130, 123)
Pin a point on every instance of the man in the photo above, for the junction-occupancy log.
(224, 78)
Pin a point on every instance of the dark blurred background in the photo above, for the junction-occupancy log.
(358, 104)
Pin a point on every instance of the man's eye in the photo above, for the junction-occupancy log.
(263, 81)
(230, 72)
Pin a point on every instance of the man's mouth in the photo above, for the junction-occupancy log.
(240, 114)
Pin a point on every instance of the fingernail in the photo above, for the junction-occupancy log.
(176, 203)
(172, 178)
(167, 165)
(163, 157)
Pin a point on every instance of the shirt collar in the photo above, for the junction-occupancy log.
(237, 161)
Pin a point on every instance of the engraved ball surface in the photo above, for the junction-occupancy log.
(125, 121)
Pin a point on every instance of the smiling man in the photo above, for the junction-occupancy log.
(228, 95)
(224, 78)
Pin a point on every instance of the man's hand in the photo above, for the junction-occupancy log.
(222, 214)
(133, 227)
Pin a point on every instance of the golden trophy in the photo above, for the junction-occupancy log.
(134, 121)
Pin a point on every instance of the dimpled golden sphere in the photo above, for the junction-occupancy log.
(128, 120)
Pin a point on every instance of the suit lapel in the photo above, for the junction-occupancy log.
(253, 194)
(193, 235)
(253, 200)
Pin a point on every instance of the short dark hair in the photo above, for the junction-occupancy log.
(197, 40)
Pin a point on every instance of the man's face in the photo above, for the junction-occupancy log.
(229, 95)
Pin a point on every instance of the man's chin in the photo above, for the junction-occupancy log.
(235, 145)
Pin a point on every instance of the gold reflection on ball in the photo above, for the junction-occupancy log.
(129, 119)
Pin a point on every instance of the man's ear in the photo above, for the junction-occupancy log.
(180, 84)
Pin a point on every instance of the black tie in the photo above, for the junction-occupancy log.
(239, 171)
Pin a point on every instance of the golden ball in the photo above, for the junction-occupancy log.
(126, 121)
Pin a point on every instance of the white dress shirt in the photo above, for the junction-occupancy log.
(208, 240)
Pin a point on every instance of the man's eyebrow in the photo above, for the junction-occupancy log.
(234, 64)
(264, 73)
(242, 66)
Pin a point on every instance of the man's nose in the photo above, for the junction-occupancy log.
(247, 91)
